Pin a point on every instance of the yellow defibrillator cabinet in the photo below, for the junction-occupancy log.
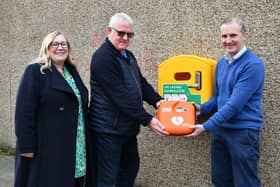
(186, 78)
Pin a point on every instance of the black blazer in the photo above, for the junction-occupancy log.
(46, 123)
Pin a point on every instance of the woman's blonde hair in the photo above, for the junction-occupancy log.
(44, 57)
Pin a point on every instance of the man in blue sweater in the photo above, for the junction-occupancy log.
(118, 90)
(237, 100)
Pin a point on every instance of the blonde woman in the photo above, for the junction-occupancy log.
(50, 119)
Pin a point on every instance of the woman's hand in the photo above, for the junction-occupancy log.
(27, 155)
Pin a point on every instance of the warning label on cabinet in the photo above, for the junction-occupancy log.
(179, 92)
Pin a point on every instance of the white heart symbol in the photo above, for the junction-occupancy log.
(177, 120)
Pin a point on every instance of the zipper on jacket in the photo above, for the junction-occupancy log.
(138, 86)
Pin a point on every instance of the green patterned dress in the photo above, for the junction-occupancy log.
(80, 167)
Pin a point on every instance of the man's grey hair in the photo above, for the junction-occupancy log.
(120, 17)
(239, 21)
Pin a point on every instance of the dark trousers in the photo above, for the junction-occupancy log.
(234, 156)
(115, 161)
(79, 182)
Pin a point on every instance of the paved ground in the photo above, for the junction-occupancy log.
(6, 171)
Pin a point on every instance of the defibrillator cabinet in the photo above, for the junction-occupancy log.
(186, 78)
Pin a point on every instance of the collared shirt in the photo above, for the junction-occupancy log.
(230, 60)
(124, 54)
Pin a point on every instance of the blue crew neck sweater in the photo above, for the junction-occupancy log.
(237, 94)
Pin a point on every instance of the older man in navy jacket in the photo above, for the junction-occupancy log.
(118, 90)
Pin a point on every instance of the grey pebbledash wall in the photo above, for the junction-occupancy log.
(163, 29)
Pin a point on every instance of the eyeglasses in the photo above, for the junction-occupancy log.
(122, 33)
(57, 44)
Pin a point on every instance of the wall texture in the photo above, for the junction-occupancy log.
(163, 29)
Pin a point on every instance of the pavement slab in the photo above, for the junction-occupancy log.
(6, 171)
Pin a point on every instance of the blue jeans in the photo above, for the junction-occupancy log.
(115, 160)
(234, 157)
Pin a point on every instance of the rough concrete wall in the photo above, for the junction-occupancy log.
(163, 29)
(6, 135)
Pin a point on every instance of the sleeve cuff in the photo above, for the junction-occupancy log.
(208, 126)
(26, 147)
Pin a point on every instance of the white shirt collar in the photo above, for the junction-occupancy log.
(230, 60)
